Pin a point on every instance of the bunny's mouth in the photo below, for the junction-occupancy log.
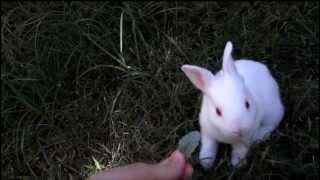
(237, 133)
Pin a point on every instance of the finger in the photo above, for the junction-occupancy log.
(171, 168)
(134, 171)
(188, 170)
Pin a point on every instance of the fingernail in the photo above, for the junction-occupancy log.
(176, 156)
(167, 160)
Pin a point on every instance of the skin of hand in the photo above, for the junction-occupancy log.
(174, 167)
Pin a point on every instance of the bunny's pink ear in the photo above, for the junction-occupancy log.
(200, 77)
(228, 63)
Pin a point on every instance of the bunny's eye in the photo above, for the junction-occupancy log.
(247, 105)
(218, 111)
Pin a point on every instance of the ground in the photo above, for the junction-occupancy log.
(94, 85)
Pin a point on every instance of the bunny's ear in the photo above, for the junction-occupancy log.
(228, 63)
(200, 77)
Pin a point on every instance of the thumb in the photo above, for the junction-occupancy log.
(171, 168)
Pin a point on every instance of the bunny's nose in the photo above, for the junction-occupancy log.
(237, 132)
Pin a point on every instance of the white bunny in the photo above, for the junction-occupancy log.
(241, 105)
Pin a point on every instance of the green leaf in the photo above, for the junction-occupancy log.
(189, 142)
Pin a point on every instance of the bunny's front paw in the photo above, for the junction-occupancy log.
(206, 162)
(238, 157)
(238, 161)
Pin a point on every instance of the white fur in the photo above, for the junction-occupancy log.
(238, 81)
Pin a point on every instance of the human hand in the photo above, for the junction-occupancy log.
(173, 168)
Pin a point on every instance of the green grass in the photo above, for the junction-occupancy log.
(74, 102)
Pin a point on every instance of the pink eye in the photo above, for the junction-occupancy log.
(247, 105)
(218, 111)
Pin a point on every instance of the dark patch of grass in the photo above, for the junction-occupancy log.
(71, 97)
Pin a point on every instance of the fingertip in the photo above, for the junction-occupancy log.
(177, 156)
(171, 168)
(188, 172)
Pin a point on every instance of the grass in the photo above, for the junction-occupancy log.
(76, 99)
